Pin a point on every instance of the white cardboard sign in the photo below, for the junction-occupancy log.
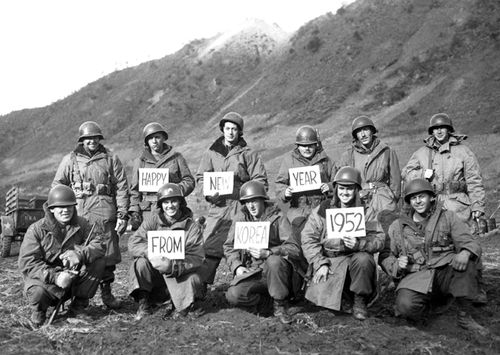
(305, 178)
(167, 243)
(150, 180)
(345, 222)
(221, 182)
(251, 235)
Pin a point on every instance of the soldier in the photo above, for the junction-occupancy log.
(228, 153)
(308, 152)
(98, 179)
(273, 271)
(59, 258)
(344, 267)
(433, 255)
(154, 279)
(453, 170)
(378, 164)
(156, 154)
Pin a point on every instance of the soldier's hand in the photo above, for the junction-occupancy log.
(349, 241)
(477, 214)
(70, 259)
(178, 268)
(135, 220)
(288, 192)
(214, 199)
(324, 188)
(460, 260)
(63, 279)
(121, 226)
(259, 253)
(403, 261)
(321, 275)
(240, 270)
(161, 263)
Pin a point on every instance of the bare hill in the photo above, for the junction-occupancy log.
(398, 61)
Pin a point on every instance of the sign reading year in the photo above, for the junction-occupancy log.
(167, 243)
(306, 178)
(150, 180)
(221, 182)
(345, 222)
(251, 235)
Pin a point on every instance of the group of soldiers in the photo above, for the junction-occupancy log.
(429, 250)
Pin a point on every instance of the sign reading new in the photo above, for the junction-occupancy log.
(251, 235)
(221, 182)
(150, 180)
(345, 222)
(167, 243)
(305, 178)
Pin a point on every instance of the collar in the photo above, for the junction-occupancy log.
(219, 146)
(79, 149)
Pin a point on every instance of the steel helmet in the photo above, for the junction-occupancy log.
(252, 189)
(360, 122)
(306, 135)
(151, 128)
(416, 186)
(440, 120)
(89, 129)
(61, 196)
(348, 176)
(170, 190)
(232, 117)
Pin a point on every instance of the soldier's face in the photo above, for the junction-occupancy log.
(308, 150)
(171, 206)
(345, 193)
(256, 207)
(91, 143)
(441, 133)
(156, 141)
(231, 133)
(421, 202)
(365, 136)
(63, 214)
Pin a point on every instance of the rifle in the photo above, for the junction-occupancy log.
(75, 273)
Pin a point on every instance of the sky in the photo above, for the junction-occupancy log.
(52, 48)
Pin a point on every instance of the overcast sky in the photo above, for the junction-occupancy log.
(51, 48)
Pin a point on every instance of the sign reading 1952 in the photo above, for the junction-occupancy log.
(345, 222)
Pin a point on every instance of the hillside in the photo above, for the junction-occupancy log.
(398, 61)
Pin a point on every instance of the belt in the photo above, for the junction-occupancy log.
(373, 185)
(450, 187)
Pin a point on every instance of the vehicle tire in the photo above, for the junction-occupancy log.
(6, 243)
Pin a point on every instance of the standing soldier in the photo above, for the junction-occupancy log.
(228, 153)
(342, 268)
(378, 164)
(157, 154)
(59, 258)
(308, 152)
(272, 271)
(98, 179)
(453, 170)
(434, 256)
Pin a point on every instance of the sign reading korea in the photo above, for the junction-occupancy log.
(168, 243)
(251, 235)
(150, 180)
(345, 222)
(305, 178)
(221, 182)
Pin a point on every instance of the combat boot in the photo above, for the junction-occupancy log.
(38, 318)
(77, 308)
(359, 309)
(280, 311)
(465, 320)
(107, 297)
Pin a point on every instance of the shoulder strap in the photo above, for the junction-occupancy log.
(75, 169)
(403, 245)
(429, 159)
(429, 231)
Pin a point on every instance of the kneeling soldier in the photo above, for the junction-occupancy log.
(59, 258)
(268, 271)
(433, 255)
(153, 279)
(342, 267)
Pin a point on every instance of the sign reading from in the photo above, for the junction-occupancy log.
(150, 180)
(345, 222)
(167, 243)
(221, 182)
(305, 178)
(251, 235)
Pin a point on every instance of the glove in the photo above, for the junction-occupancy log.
(178, 268)
(162, 264)
(215, 199)
(64, 279)
(121, 226)
(70, 259)
(135, 220)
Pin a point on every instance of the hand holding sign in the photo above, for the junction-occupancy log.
(221, 182)
(306, 178)
(341, 222)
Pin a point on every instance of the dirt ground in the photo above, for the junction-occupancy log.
(225, 330)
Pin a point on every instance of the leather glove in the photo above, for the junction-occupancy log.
(121, 226)
(135, 220)
(215, 199)
(70, 259)
(63, 279)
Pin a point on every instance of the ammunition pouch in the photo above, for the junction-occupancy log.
(86, 188)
